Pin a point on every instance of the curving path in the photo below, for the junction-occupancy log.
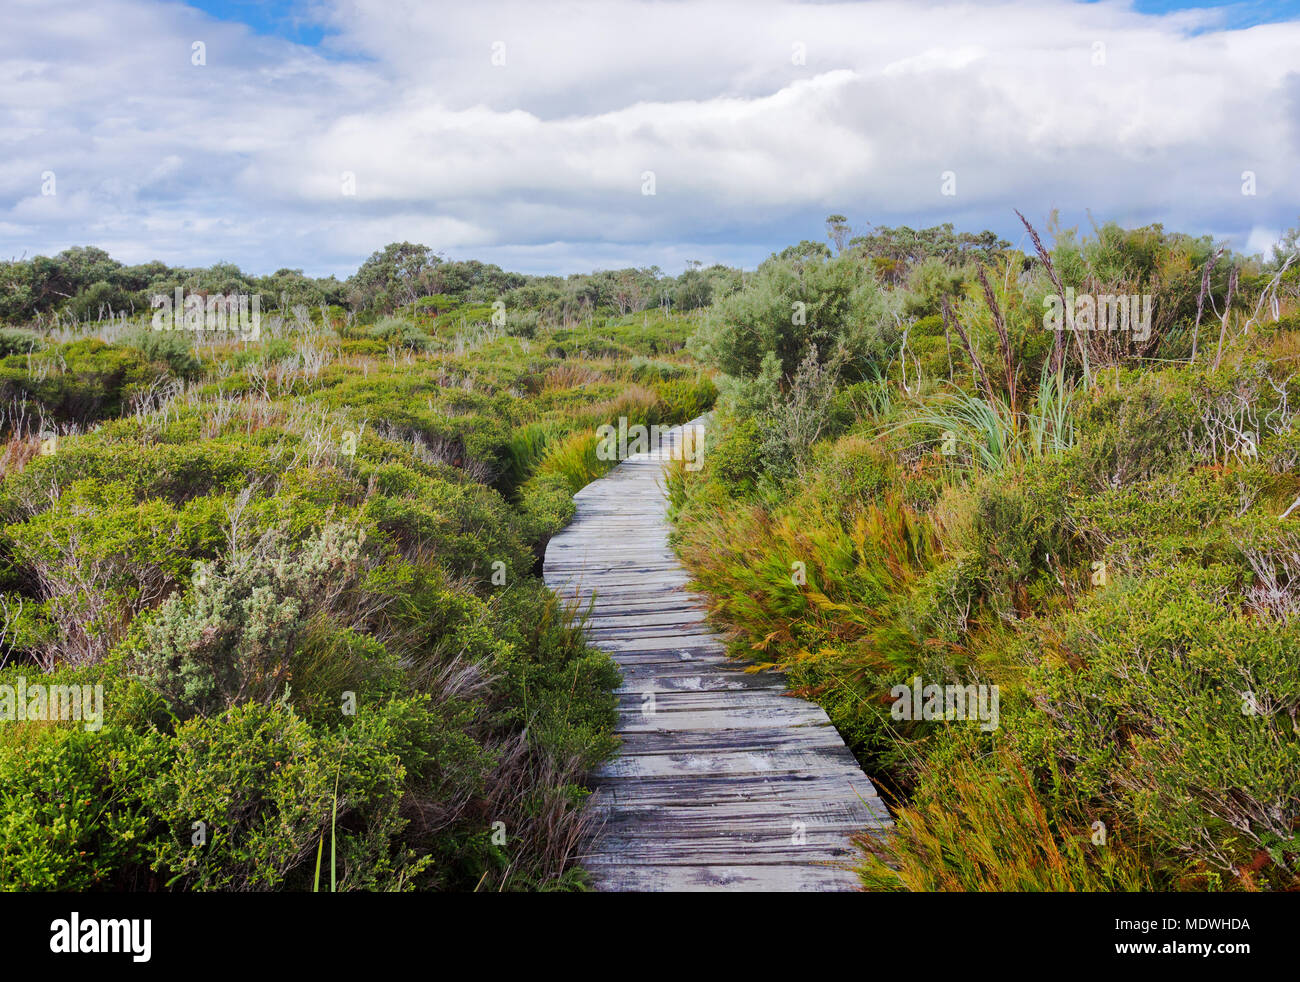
(723, 781)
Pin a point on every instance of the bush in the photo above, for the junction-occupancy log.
(98, 559)
(1135, 429)
(79, 382)
(71, 813)
(16, 342)
(230, 639)
(269, 790)
(848, 475)
(791, 304)
(1175, 708)
(171, 348)
(736, 460)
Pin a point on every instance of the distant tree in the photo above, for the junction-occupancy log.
(805, 250)
(893, 252)
(838, 231)
(1286, 247)
(398, 274)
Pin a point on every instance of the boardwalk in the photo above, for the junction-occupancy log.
(723, 781)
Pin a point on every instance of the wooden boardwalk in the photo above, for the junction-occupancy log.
(723, 781)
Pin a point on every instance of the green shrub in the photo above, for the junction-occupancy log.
(1135, 427)
(1175, 708)
(229, 640)
(550, 680)
(466, 527)
(16, 342)
(80, 382)
(848, 475)
(268, 790)
(736, 460)
(71, 813)
(171, 348)
(99, 559)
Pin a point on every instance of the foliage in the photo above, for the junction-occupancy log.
(1113, 547)
(304, 567)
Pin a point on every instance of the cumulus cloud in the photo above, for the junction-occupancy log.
(526, 133)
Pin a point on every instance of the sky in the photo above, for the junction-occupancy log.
(562, 137)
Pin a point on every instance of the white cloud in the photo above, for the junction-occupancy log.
(539, 160)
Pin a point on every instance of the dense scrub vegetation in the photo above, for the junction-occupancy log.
(84, 286)
(304, 571)
(304, 568)
(911, 476)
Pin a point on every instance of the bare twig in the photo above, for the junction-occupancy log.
(1200, 300)
(1227, 309)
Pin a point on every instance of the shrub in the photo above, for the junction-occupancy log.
(230, 639)
(17, 342)
(98, 559)
(171, 348)
(1175, 708)
(791, 304)
(1136, 428)
(848, 475)
(466, 527)
(268, 790)
(71, 813)
(736, 460)
(81, 382)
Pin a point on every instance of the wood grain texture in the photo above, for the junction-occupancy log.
(723, 781)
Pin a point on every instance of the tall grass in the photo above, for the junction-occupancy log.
(575, 459)
(1049, 426)
(802, 579)
(990, 829)
(993, 435)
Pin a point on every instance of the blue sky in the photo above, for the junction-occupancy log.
(1246, 13)
(529, 133)
(297, 22)
(303, 22)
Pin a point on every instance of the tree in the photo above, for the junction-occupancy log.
(398, 274)
(791, 303)
(837, 230)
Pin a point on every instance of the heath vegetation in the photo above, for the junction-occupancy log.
(304, 567)
(914, 472)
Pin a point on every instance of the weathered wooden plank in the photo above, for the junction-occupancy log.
(699, 700)
(633, 632)
(648, 618)
(687, 792)
(602, 606)
(633, 720)
(775, 849)
(677, 642)
(627, 819)
(827, 760)
(684, 677)
(697, 879)
(748, 738)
